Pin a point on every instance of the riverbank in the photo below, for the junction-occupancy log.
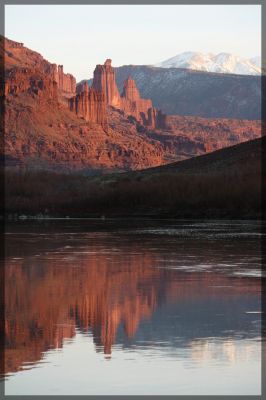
(223, 184)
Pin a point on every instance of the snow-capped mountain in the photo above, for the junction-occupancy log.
(222, 63)
(199, 93)
(256, 61)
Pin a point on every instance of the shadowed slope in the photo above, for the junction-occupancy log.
(226, 183)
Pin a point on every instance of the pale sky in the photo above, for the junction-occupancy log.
(81, 36)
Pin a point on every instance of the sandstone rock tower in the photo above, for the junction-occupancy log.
(104, 81)
(89, 104)
(130, 101)
(130, 90)
(66, 83)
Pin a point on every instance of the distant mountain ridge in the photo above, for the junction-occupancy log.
(226, 63)
(196, 93)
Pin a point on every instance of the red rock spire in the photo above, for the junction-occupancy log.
(104, 81)
(130, 90)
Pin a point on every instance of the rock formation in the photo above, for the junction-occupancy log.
(89, 104)
(66, 82)
(14, 45)
(40, 128)
(26, 80)
(104, 81)
(130, 90)
(154, 118)
(26, 70)
(130, 101)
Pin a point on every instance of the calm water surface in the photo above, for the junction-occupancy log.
(137, 307)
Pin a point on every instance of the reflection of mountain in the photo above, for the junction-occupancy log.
(110, 284)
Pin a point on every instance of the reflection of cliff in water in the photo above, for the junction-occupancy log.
(115, 292)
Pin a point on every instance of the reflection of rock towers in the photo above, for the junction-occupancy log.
(98, 299)
(103, 316)
(100, 296)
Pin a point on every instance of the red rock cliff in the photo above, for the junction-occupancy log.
(89, 104)
(66, 82)
(130, 90)
(130, 101)
(104, 81)
(26, 80)
(28, 71)
(155, 119)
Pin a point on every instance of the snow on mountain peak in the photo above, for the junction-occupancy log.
(222, 63)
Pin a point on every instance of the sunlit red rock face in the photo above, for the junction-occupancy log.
(192, 136)
(90, 105)
(23, 65)
(130, 101)
(48, 136)
(65, 82)
(47, 125)
(26, 80)
(104, 81)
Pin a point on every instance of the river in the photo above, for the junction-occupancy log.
(133, 307)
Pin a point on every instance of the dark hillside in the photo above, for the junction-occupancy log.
(222, 184)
